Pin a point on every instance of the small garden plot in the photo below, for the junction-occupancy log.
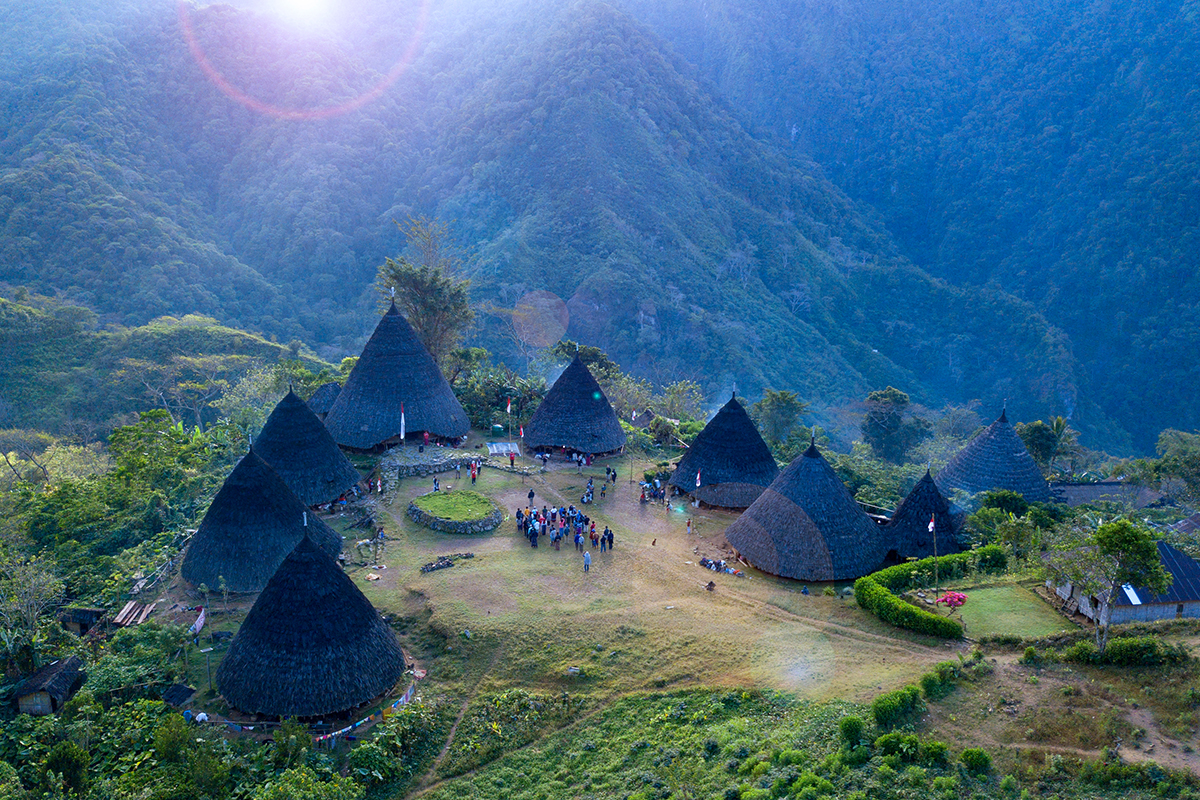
(1010, 610)
(457, 506)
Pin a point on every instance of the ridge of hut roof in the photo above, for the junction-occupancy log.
(995, 459)
(395, 375)
(734, 463)
(302, 452)
(254, 521)
(908, 529)
(576, 414)
(322, 399)
(805, 525)
(311, 645)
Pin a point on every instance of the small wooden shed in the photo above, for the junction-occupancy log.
(45, 691)
(80, 620)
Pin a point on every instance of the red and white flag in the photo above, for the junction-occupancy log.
(522, 431)
(402, 420)
(931, 523)
(697, 479)
(509, 411)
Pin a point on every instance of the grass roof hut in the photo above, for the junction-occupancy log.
(302, 452)
(576, 415)
(253, 523)
(322, 399)
(311, 646)
(805, 525)
(908, 529)
(995, 459)
(395, 374)
(733, 462)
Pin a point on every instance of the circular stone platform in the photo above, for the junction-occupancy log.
(460, 511)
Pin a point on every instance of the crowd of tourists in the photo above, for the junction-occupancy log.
(560, 524)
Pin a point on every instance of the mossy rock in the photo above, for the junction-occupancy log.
(458, 511)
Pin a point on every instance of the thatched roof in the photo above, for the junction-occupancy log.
(575, 414)
(302, 452)
(995, 459)
(734, 462)
(805, 525)
(253, 523)
(312, 644)
(322, 399)
(908, 530)
(394, 370)
(58, 679)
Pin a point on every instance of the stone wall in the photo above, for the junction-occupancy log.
(488, 523)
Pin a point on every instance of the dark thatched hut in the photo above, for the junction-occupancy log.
(576, 415)
(47, 690)
(312, 645)
(805, 525)
(908, 529)
(322, 399)
(302, 452)
(733, 462)
(253, 523)
(395, 374)
(995, 459)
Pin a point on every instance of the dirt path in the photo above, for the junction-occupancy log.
(441, 756)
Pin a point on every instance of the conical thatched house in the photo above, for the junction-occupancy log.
(805, 525)
(733, 462)
(253, 523)
(908, 530)
(311, 646)
(995, 459)
(300, 450)
(576, 415)
(322, 399)
(394, 370)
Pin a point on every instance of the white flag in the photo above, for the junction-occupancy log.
(198, 625)
(402, 420)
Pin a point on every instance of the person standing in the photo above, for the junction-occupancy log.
(512, 459)
(587, 560)
(531, 497)
(689, 526)
(458, 471)
(436, 485)
(474, 473)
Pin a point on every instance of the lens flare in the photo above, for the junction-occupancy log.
(299, 8)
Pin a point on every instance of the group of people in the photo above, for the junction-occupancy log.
(558, 524)
(654, 492)
(589, 493)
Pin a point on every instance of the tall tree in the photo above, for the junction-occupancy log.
(434, 301)
(885, 426)
(1100, 562)
(777, 415)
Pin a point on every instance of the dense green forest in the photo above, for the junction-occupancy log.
(949, 198)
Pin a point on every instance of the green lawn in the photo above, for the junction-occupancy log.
(1009, 609)
(460, 505)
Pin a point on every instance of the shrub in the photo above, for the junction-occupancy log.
(71, 762)
(976, 760)
(171, 738)
(892, 708)
(931, 686)
(1031, 657)
(370, 764)
(851, 729)
(1127, 651)
(1008, 784)
(935, 753)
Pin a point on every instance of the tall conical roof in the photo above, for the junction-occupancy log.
(394, 369)
(302, 452)
(322, 399)
(805, 525)
(908, 529)
(575, 414)
(253, 523)
(995, 459)
(733, 461)
(312, 644)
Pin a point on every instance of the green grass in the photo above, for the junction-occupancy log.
(1009, 609)
(460, 505)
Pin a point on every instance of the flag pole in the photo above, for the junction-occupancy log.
(936, 577)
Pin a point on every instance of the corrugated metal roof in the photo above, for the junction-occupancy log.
(1185, 586)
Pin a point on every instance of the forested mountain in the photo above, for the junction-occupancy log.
(1043, 145)
(798, 195)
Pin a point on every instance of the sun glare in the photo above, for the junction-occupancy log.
(306, 13)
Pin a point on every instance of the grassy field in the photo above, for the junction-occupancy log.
(460, 505)
(634, 680)
(1009, 609)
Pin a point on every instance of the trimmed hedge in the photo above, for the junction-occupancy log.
(875, 592)
(1127, 651)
